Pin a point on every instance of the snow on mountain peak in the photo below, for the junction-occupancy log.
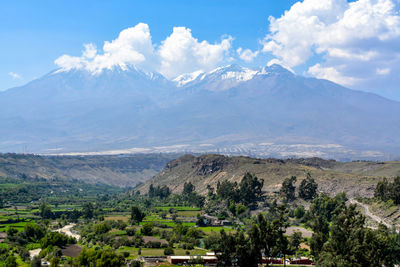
(233, 73)
(183, 79)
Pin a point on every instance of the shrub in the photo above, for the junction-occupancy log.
(153, 244)
(169, 251)
(147, 229)
(130, 231)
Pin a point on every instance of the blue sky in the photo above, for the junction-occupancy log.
(325, 38)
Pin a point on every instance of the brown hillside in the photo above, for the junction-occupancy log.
(118, 170)
(354, 178)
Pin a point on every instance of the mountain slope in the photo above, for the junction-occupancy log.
(354, 178)
(121, 170)
(266, 112)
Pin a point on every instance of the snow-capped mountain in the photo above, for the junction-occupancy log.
(219, 79)
(232, 106)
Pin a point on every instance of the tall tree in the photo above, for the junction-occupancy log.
(320, 227)
(137, 215)
(151, 191)
(268, 236)
(382, 190)
(250, 189)
(345, 244)
(88, 210)
(288, 188)
(308, 188)
(227, 190)
(188, 188)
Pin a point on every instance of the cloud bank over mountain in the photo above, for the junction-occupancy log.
(178, 53)
(356, 43)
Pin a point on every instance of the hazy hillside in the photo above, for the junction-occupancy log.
(354, 178)
(267, 112)
(120, 170)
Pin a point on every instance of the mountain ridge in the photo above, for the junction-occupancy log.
(231, 109)
(353, 178)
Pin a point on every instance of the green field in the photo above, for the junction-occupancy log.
(178, 208)
(159, 251)
(18, 225)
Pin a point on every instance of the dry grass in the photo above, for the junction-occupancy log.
(124, 218)
(354, 178)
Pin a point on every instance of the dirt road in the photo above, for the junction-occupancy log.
(67, 230)
(368, 213)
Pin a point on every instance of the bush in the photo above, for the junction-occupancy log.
(11, 261)
(169, 251)
(136, 264)
(188, 246)
(147, 229)
(130, 231)
(101, 228)
(153, 244)
(299, 212)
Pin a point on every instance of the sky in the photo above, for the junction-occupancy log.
(353, 43)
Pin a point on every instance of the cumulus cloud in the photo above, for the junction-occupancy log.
(246, 54)
(132, 47)
(353, 42)
(181, 53)
(178, 53)
(15, 76)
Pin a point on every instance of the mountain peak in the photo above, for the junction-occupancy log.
(275, 68)
(231, 74)
(117, 70)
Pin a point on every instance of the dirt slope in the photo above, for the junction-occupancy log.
(355, 178)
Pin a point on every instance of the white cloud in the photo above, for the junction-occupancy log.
(178, 53)
(331, 73)
(352, 41)
(132, 47)
(246, 54)
(182, 53)
(15, 76)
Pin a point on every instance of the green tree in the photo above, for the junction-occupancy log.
(282, 224)
(225, 249)
(238, 249)
(381, 247)
(45, 211)
(250, 189)
(188, 188)
(88, 210)
(320, 235)
(288, 188)
(395, 190)
(137, 215)
(382, 190)
(324, 205)
(308, 188)
(299, 212)
(345, 244)
(227, 191)
(11, 261)
(147, 229)
(295, 241)
(268, 235)
(169, 251)
(151, 191)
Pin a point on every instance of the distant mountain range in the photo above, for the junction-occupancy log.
(234, 110)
